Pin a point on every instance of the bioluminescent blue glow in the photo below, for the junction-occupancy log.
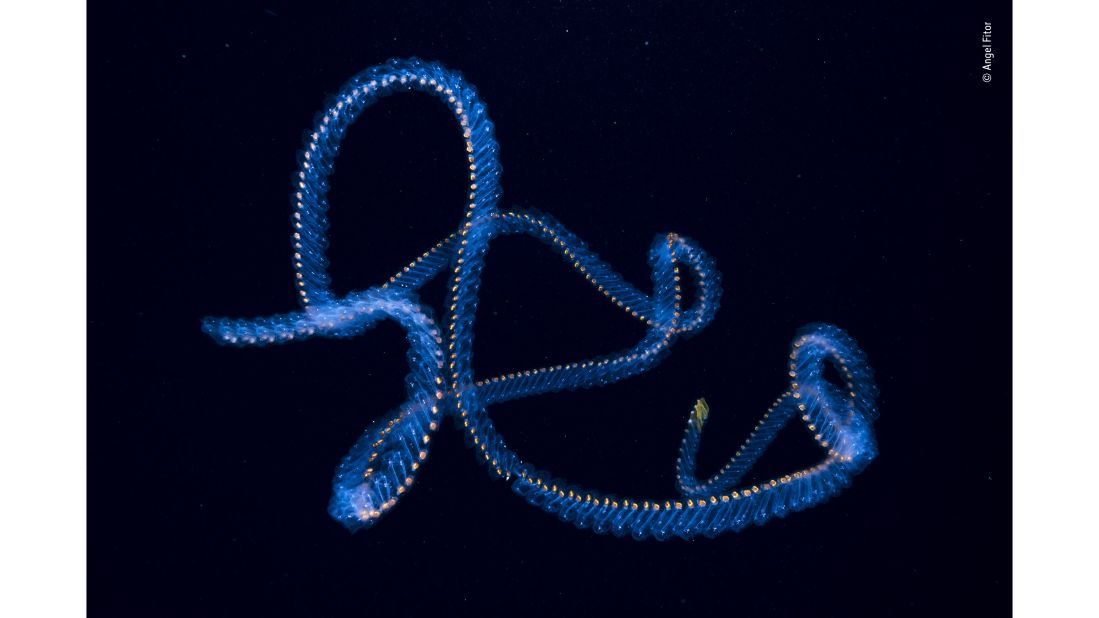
(384, 463)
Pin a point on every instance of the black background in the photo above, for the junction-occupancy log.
(843, 165)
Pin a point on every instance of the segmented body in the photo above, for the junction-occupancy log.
(383, 465)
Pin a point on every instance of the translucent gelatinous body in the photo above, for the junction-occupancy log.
(383, 465)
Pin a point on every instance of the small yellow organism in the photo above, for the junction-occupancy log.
(701, 411)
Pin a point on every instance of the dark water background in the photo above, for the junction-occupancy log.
(843, 165)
